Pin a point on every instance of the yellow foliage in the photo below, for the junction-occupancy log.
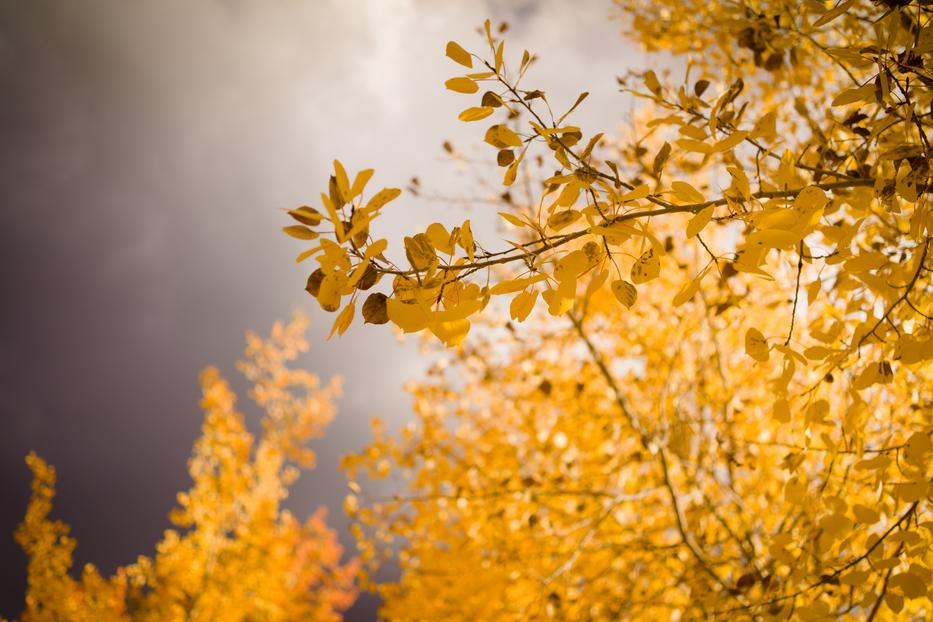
(234, 553)
(727, 409)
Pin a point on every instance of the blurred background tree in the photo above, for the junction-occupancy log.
(234, 553)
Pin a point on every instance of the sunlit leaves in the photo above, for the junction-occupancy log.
(782, 181)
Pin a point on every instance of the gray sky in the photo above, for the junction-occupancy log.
(146, 149)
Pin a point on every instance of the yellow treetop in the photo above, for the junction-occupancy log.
(234, 553)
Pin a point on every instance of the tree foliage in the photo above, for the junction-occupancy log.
(718, 403)
(234, 553)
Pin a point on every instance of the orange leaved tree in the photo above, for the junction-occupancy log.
(696, 380)
(234, 553)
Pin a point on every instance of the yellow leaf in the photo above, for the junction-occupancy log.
(501, 136)
(343, 182)
(851, 96)
(651, 81)
(308, 253)
(865, 514)
(855, 577)
(687, 291)
(359, 183)
(458, 54)
(475, 113)
(918, 447)
(558, 303)
(375, 249)
(865, 261)
(646, 268)
(514, 285)
(460, 312)
(693, 132)
(451, 333)
(774, 238)
(334, 219)
(730, 141)
(561, 219)
(466, 239)
(911, 584)
(419, 251)
(756, 346)
(624, 292)
(358, 273)
(877, 463)
(568, 196)
(329, 293)
(696, 224)
(639, 192)
(835, 524)
(513, 219)
(306, 215)
(688, 144)
(832, 14)
(440, 238)
(522, 305)
(409, 317)
(571, 265)
(787, 351)
(510, 173)
(817, 352)
(343, 321)
(462, 85)
(301, 232)
(687, 193)
(910, 492)
(894, 601)
(381, 198)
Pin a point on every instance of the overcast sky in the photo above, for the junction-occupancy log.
(146, 151)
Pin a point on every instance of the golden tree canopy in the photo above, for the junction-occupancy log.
(698, 382)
